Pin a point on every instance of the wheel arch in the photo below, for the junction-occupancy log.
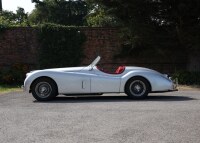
(139, 76)
(47, 77)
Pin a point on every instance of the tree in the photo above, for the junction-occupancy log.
(182, 17)
(0, 5)
(157, 25)
(98, 16)
(21, 16)
(10, 18)
(59, 12)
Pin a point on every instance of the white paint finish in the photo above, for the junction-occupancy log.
(73, 83)
(87, 80)
(105, 84)
(158, 81)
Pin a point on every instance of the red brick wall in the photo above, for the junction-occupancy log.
(106, 43)
(19, 45)
(101, 41)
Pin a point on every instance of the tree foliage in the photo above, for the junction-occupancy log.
(9, 18)
(98, 16)
(157, 25)
(59, 12)
(0, 5)
(61, 46)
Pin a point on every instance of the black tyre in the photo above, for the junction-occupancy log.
(44, 89)
(137, 88)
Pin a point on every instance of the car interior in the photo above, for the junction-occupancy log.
(119, 70)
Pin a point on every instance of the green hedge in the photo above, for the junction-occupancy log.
(188, 78)
(14, 74)
(61, 46)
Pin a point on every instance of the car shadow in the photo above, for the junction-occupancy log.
(117, 98)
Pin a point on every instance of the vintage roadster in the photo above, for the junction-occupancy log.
(136, 82)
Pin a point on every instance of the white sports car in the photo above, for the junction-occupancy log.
(136, 82)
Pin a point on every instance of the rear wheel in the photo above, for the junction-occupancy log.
(44, 89)
(137, 88)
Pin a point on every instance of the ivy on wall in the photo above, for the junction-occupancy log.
(2, 29)
(61, 46)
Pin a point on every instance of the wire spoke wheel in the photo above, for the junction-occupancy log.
(137, 88)
(43, 89)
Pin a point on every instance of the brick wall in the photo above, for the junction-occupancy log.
(106, 42)
(19, 45)
(101, 41)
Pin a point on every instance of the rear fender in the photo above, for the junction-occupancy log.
(156, 80)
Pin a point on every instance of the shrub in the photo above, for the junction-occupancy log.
(13, 74)
(188, 78)
(60, 46)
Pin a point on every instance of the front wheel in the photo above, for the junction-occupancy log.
(137, 88)
(44, 89)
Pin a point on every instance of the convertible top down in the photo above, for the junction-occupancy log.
(136, 82)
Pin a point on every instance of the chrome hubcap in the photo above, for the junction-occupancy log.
(137, 88)
(43, 89)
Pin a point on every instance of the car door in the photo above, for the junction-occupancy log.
(105, 83)
(73, 82)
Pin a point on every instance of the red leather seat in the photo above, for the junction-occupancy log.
(120, 70)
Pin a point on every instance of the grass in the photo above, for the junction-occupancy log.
(9, 88)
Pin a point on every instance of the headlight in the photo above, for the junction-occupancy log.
(167, 76)
(27, 74)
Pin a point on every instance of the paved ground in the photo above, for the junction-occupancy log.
(162, 118)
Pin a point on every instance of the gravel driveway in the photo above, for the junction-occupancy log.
(161, 118)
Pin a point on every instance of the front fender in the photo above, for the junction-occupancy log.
(33, 76)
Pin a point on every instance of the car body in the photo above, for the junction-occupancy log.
(136, 82)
